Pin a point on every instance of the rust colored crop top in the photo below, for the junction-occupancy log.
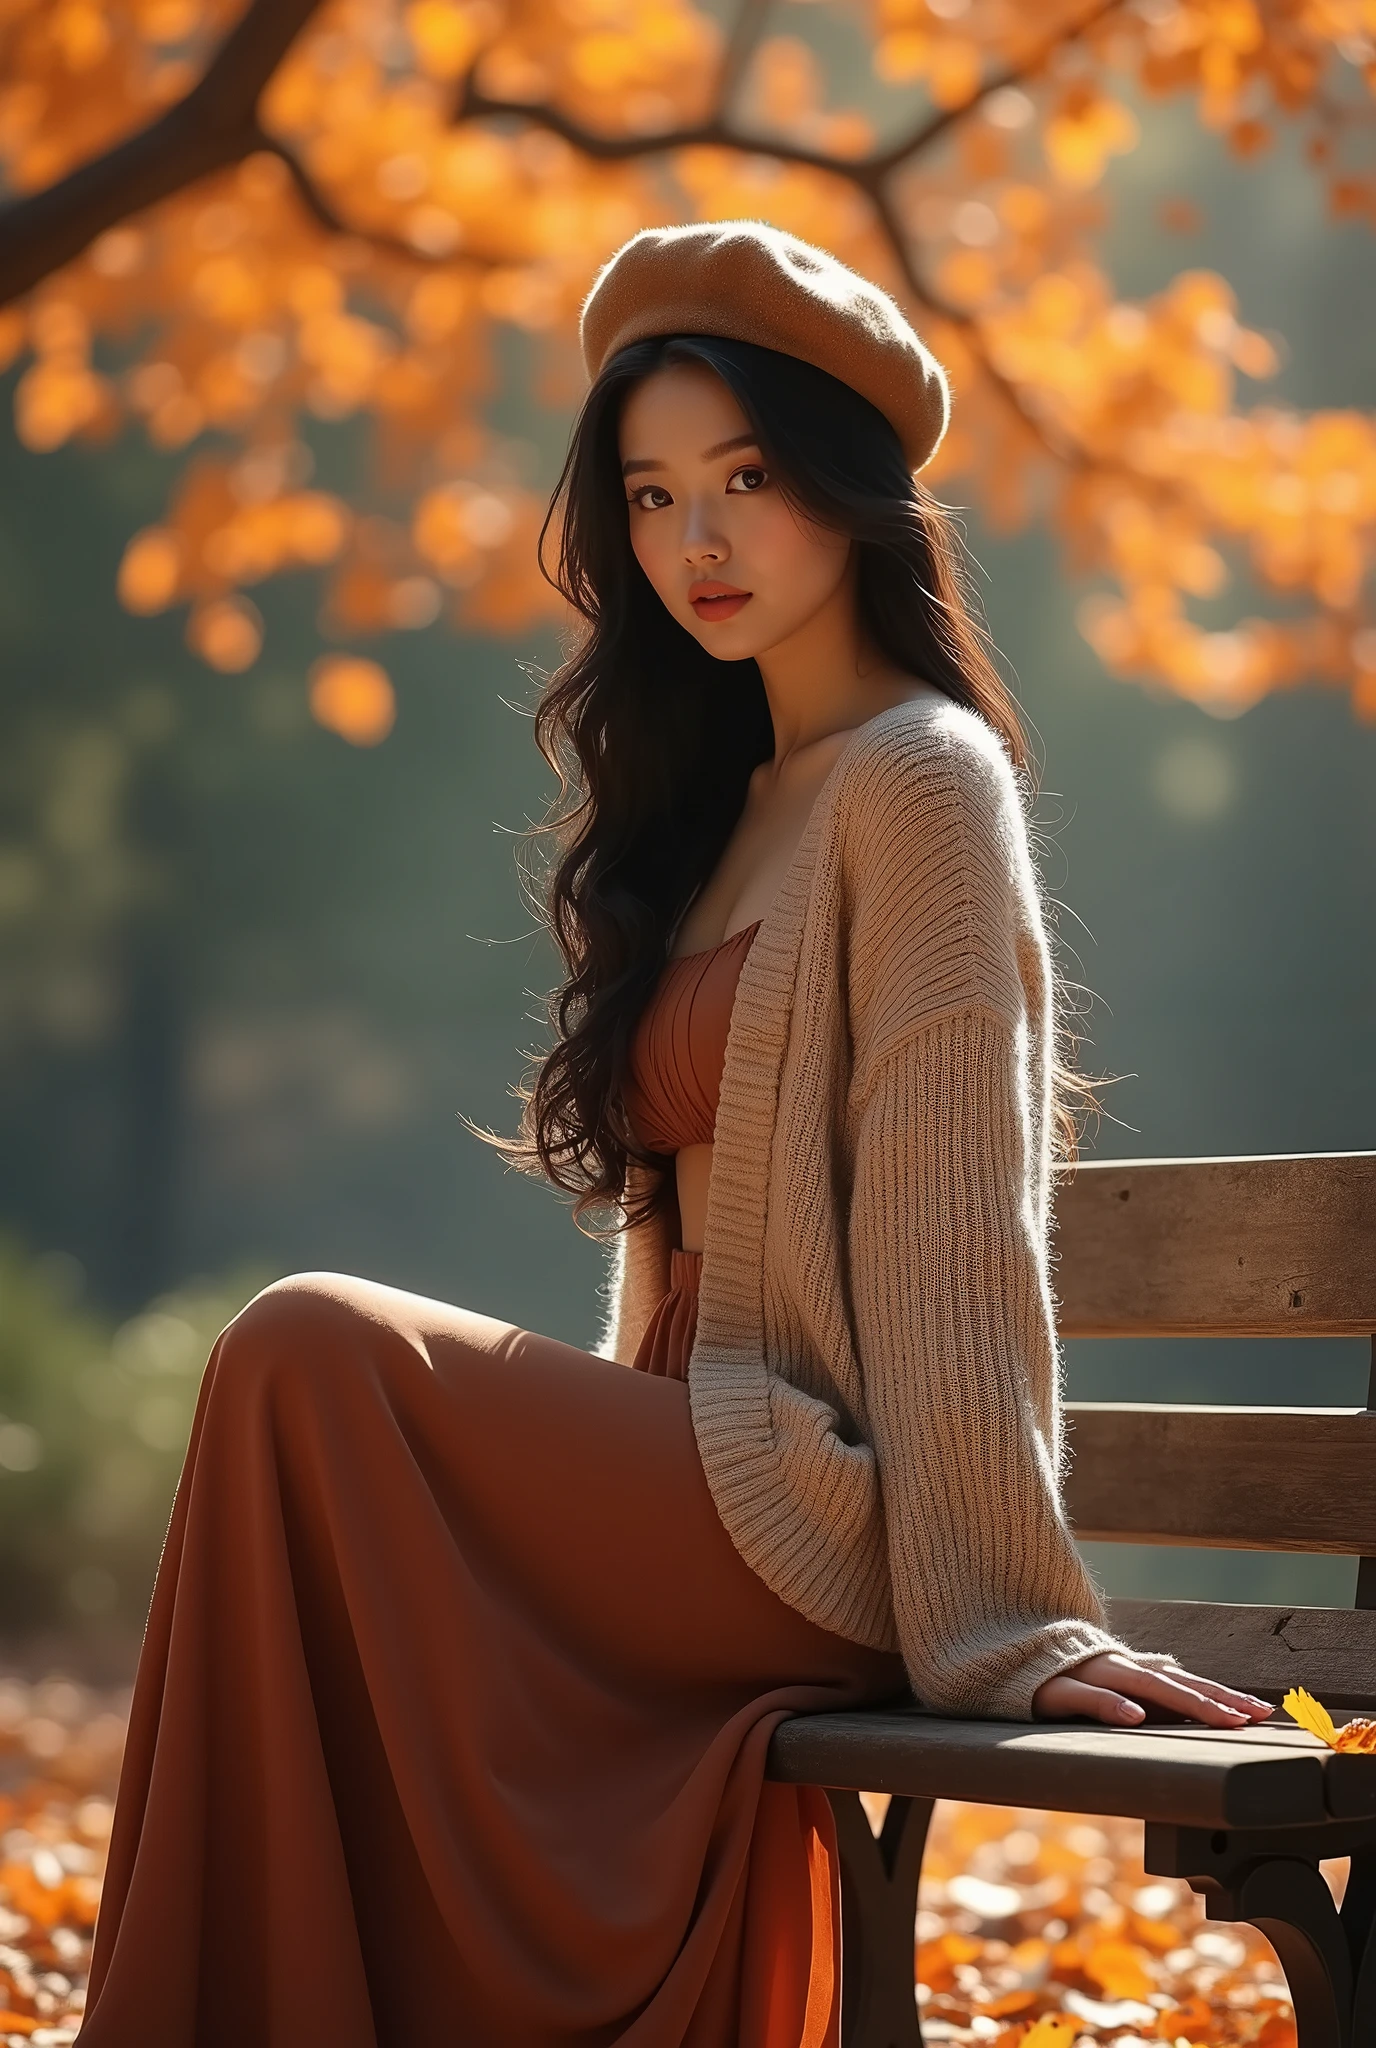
(679, 1048)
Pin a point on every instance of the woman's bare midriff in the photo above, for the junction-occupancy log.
(694, 1168)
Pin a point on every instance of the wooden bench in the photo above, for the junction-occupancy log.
(1259, 1247)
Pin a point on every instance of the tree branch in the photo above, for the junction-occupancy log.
(713, 134)
(931, 131)
(215, 125)
(867, 172)
(324, 215)
(969, 327)
(739, 50)
(319, 207)
(475, 105)
(870, 174)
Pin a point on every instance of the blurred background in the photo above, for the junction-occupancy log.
(251, 974)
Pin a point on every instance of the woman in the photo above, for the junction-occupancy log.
(467, 1646)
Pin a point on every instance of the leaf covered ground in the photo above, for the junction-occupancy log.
(1035, 1930)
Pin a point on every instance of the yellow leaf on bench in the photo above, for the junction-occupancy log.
(1355, 1737)
(1304, 1708)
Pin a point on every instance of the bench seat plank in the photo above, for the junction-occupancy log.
(1330, 1651)
(1299, 1479)
(1212, 1780)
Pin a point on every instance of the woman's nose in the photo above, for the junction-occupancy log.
(702, 540)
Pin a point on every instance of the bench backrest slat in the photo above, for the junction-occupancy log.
(1331, 1651)
(1269, 1246)
(1241, 1478)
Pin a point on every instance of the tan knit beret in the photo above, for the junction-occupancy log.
(749, 281)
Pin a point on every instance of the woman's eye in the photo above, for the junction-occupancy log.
(646, 491)
(752, 479)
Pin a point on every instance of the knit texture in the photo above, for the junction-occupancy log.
(875, 1379)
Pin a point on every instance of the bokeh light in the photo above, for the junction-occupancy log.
(227, 633)
(353, 697)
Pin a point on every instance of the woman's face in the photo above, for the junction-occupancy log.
(710, 527)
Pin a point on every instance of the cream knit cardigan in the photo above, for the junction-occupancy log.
(875, 1379)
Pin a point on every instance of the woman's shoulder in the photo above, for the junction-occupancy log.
(931, 860)
(926, 772)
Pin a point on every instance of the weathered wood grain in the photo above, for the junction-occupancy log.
(1330, 1651)
(1265, 1247)
(1212, 1781)
(1237, 1478)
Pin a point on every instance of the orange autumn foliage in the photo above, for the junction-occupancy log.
(406, 180)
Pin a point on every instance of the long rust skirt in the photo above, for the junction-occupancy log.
(451, 1716)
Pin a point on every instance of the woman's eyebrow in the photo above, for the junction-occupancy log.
(725, 447)
(708, 454)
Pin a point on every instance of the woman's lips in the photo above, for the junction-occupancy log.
(718, 601)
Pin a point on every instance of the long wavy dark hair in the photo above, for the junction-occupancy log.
(654, 740)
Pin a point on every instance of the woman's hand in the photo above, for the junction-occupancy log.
(1113, 1687)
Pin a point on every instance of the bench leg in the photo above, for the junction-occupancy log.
(1291, 1904)
(1359, 1925)
(879, 1877)
(1328, 1957)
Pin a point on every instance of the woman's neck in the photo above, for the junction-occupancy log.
(827, 678)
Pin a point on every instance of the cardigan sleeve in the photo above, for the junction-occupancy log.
(948, 1227)
(957, 1352)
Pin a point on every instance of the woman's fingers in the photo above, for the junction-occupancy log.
(1245, 1702)
(1177, 1692)
(1165, 1689)
(1061, 1699)
(1112, 1687)
(1181, 1693)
